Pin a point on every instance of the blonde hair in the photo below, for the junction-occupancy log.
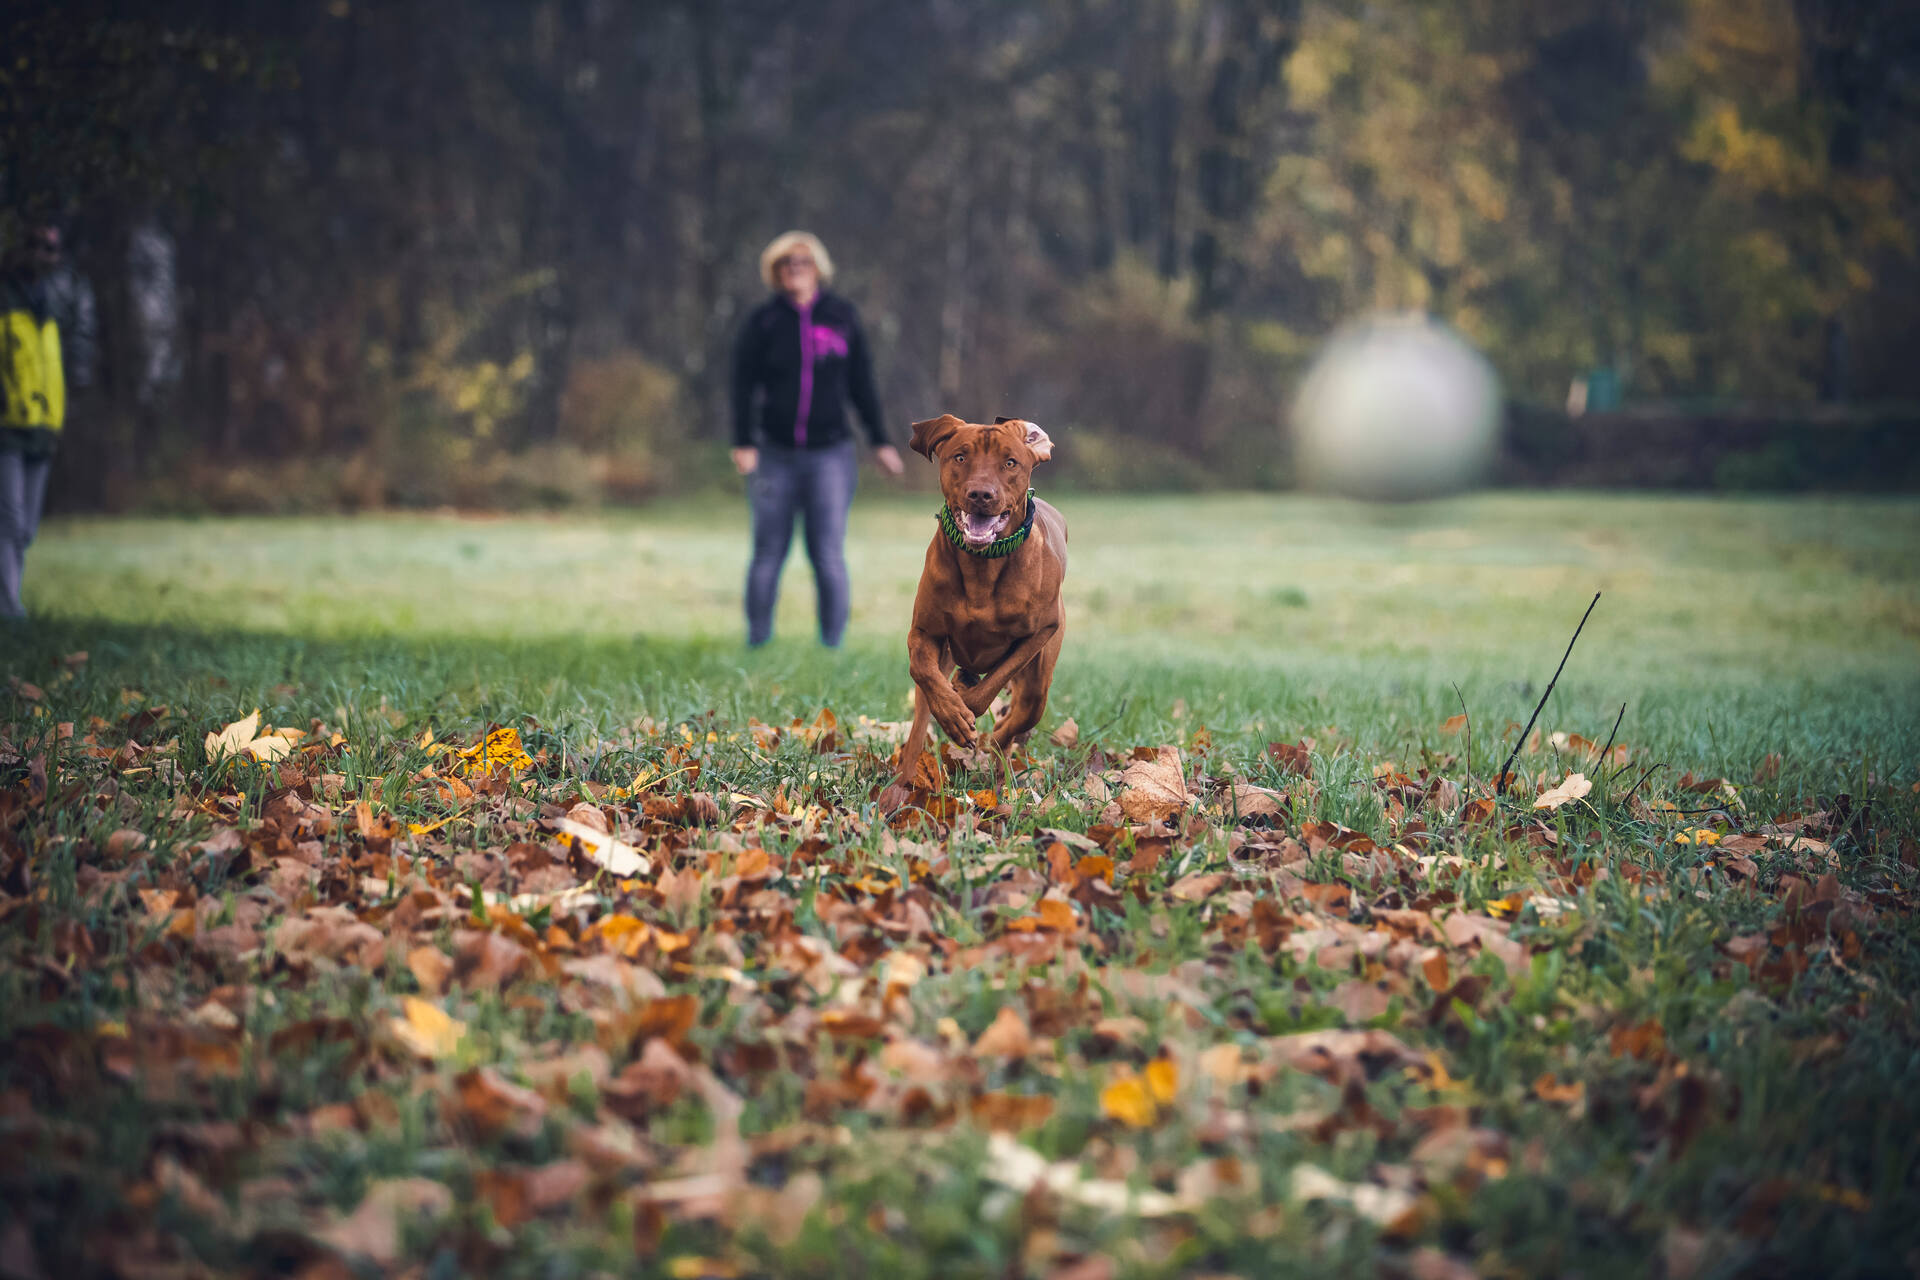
(785, 243)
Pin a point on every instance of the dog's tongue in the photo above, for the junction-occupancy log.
(977, 528)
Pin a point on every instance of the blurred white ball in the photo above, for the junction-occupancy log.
(1397, 408)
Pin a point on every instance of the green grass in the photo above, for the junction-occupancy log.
(1732, 630)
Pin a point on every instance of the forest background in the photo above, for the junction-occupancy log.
(492, 253)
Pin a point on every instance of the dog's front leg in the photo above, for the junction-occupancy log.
(937, 694)
(981, 696)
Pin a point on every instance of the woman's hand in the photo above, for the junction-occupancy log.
(889, 459)
(746, 460)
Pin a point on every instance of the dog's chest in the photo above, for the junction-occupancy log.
(990, 628)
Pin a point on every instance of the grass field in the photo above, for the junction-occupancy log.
(1330, 1011)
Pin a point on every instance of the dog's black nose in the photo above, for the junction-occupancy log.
(981, 497)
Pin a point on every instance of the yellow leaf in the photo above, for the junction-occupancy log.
(1697, 836)
(1129, 1101)
(233, 739)
(499, 749)
(270, 746)
(624, 933)
(243, 737)
(1163, 1079)
(1571, 788)
(427, 1029)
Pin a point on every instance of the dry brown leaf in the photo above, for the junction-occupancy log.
(494, 1105)
(372, 1230)
(1197, 886)
(1006, 1036)
(431, 969)
(1360, 1001)
(1154, 790)
(1248, 803)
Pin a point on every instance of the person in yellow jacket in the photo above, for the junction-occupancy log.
(46, 344)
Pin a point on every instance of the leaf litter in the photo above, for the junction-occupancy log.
(690, 1004)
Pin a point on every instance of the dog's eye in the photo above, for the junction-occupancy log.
(960, 455)
(1012, 463)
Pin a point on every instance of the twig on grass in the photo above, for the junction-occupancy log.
(1616, 729)
(1469, 720)
(1500, 779)
(1643, 777)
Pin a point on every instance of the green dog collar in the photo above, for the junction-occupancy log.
(999, 546)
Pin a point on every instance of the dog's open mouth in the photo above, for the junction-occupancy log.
(976, 528)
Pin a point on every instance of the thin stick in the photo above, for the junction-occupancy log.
(1469, 719)
(1616, 729)
(1643, 777)
(1500, 779)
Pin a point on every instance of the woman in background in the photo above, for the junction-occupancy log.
(800, 358)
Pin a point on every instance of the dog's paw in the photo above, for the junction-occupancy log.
(957, 721)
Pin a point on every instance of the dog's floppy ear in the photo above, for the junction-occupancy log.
(928, 436)
(1038, 441)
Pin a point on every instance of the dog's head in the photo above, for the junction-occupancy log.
(984, 470)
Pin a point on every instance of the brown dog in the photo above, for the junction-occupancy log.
(989, 598)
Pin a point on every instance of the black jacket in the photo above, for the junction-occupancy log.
(769, 380)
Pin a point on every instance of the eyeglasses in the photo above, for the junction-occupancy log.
(793, 264)
(47, 248)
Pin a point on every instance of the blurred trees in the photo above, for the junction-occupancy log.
(494, 250)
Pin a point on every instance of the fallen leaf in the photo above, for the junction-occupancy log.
(1396, 1210)
(431, 969)
(500, 749)
(1130, 1101)
(372, 1230)
(243, 737)
(1571, 788)
(1006, 1036)
(1154, 790)
(426, 1029)
(1021, 1168)
(617, 856)
(1197, 886)
(1163, 1080)
(1549, 1089)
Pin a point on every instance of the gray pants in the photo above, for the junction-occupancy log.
(23, 491)
(816, 485)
